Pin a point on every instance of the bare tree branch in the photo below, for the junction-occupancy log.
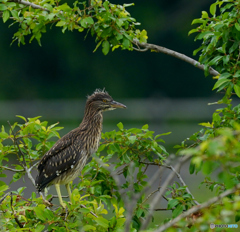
(11, 169)
(198, 207)
(156, 48)
(178, 176)
(161, 192)
(26, 3)
(34, 165)
(182, 182)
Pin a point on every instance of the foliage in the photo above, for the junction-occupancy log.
(96, 198)
(219, 32)
(111, 24)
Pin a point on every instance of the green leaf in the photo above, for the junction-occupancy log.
(204, 14)
(198, 21)
(23, 118)
(220, 82)
(193, 31)
(237, 26)
(3, 135)
(6, 15)
(208, 167)
(120, 126)
(226, 59)
(191, 168)
(3, 7)
(120, 222)
(145, 127)
(237, 216)
(172, 203)
(105, 4)
(39, 210)
(15, 14)
(224, 76)
(215, 60)
(233, 47)
(88, 227)
(89, 20)
(105, 47)
(132, 139)
(60, 23)
(177, 211)
(3, 188)
(167, 133)
(213, 9)
(237, 90)
(102, 222)
(39, 228)
(126, 43)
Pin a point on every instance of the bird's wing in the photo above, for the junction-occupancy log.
(60, 158)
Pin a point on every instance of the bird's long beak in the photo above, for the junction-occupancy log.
(115, 104)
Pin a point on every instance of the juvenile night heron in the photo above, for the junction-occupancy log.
(65, 160)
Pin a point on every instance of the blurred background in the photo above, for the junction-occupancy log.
(53, 81)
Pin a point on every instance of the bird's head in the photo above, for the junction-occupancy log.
(100, 100)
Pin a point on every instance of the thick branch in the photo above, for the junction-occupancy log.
(26, 3)
(197, 208)
(156, 48)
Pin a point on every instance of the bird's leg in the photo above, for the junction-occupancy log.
(68, 190)
(45, 192)
(57, 186)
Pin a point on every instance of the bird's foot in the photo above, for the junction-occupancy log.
(47, 203)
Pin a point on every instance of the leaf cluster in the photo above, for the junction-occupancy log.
(110, 24)
(219, 33)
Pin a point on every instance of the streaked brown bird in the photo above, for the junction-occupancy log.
(65, 160)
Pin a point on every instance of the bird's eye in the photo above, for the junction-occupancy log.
(104, 100)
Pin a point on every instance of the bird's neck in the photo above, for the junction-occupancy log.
(92, 121)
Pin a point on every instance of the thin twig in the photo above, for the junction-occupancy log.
(16, 143)
(175, 54)
(163, 209)
(198, 207)
(30, 169)
(177, 174)
(30, 4)
(5, 195)
(55, 196)
(182, 182)
(161, 192)
(11, 169)
(14, 214)
(83, 206)
(151, 195)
